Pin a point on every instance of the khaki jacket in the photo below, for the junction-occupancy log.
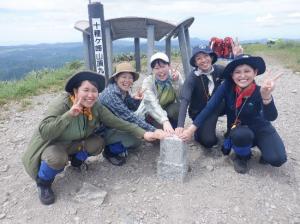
(59, 126)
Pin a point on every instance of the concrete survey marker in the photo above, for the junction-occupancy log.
(172, 162)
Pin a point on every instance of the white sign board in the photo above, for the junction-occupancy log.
(98, 46)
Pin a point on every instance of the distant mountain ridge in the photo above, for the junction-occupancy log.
(16, 61)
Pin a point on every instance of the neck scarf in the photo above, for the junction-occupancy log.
(86, 111)
(243, 93)
(210, 85)
(166, 92)
(200, 72)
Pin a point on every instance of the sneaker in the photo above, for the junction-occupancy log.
(46, 194)
(240, 165)
(114, 159)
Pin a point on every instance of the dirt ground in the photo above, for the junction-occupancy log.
(133, 194)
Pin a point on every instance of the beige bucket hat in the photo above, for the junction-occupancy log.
(124, 67)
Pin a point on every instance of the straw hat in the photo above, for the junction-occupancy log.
(124, 67)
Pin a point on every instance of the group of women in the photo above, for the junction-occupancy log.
(89, 119)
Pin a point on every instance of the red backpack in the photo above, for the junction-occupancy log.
(216, 44)
(227, 47)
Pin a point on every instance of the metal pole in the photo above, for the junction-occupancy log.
(87, 55)
(109, 49)
(184, 51)
(150, 46)
(168, 47)
(188, 42)
(137, 55)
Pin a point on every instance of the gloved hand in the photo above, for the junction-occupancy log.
(226, 147)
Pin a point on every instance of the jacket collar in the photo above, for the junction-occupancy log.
(199, 72)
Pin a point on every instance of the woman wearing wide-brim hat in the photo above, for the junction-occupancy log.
(249, 109)
(67, 132)
(117, 99)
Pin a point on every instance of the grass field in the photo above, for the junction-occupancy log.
(287, 53)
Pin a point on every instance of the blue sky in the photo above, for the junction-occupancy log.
(52, 21)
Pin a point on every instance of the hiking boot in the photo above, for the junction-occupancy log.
(46, 195)
(240, 164)
(113, 158)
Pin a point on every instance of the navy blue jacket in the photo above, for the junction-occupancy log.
(193, 95)
(254, 113)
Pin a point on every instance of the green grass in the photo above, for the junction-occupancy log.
(286, 53)
(37, 82)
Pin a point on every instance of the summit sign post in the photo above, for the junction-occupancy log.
(96, 21)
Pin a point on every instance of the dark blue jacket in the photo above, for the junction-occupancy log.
(193, 95)
(254, 113)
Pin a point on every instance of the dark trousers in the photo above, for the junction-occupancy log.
(206, 133)
(172, 113)
(266, 139)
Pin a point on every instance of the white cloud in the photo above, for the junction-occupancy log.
(265, 19)
(53, 20)
(42, 5)
(294, 15)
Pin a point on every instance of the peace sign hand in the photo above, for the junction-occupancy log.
(236, 48)
(77, 108)
(175, 73)
(267, 88)
(139, 95)
(269, 85)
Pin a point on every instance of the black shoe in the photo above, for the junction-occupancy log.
(225, 151)
(113, 159)
(81, 165)
(46, 195)
(75, 162)
(240, 164)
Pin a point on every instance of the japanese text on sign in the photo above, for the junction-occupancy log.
(98, 45)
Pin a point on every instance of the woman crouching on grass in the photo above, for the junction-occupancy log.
(249, 109)
(67, 132)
